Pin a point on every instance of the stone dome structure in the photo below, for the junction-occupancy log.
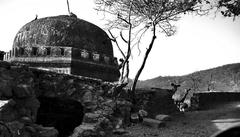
(66, 44)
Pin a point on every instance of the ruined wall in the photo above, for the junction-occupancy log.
(22, 89)
(95, 65)
(156, 102)
(201, 101)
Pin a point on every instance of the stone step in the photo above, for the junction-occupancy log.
(120, 131)
(162, 117)
(153, 123)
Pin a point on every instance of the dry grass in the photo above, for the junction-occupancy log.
(193, 124)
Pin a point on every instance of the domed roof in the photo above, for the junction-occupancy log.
(64, 31)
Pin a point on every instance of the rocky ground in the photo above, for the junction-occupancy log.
(193, 124)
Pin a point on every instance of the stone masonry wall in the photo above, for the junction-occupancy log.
(200, 101)
(156, 102)
(20, 88)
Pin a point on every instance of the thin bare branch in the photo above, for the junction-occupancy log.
(115, 40)
(123, 37)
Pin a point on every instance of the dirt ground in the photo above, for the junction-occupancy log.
(202, 123)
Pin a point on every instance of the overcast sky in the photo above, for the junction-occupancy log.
(200, 42)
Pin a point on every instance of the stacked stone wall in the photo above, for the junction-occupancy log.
(201, 101)
(21, 87)
(156, 102)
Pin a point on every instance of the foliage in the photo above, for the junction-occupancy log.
(230, 8)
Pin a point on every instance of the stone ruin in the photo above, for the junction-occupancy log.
(47, 104)
(206, 100)
(65, 44)
(53, 83)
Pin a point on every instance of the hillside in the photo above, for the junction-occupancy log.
(224, 78)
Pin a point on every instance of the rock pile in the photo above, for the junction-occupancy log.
(19, 105)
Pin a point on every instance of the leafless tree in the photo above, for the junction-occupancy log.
(139, 17)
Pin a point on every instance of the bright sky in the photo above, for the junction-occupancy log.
(200, 42)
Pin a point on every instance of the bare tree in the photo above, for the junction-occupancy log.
(124, 63)
(139, 17)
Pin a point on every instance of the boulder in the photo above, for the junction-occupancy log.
(153, 123)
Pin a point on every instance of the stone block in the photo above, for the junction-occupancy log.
(135, 118)
(153, 123)
(48, 132)
(85, 127)
(162, 117)
(142, 113)
(91, 117)
(22, 91)
(120, 131)
(87, 97)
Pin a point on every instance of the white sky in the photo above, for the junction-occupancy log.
(200, 42)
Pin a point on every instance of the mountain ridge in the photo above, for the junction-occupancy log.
(225, 78)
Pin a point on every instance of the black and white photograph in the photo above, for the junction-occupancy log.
(120, 68)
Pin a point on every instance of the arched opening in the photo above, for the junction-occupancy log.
(63, 114)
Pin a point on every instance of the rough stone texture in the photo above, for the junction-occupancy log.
(64, 30)
(21, 129)
(161, 117)
(135, 118)
(200, 101)
(142, 113)
(22, 88)
(153, 123)
(66, 44)
(91, 117)
(155, 102)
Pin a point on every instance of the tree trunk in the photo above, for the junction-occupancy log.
(143, 64)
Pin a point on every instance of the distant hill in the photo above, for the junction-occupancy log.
(224, 78)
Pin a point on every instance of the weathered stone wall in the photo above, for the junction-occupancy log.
(200, 101)
(21, 88)
(156, 102)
